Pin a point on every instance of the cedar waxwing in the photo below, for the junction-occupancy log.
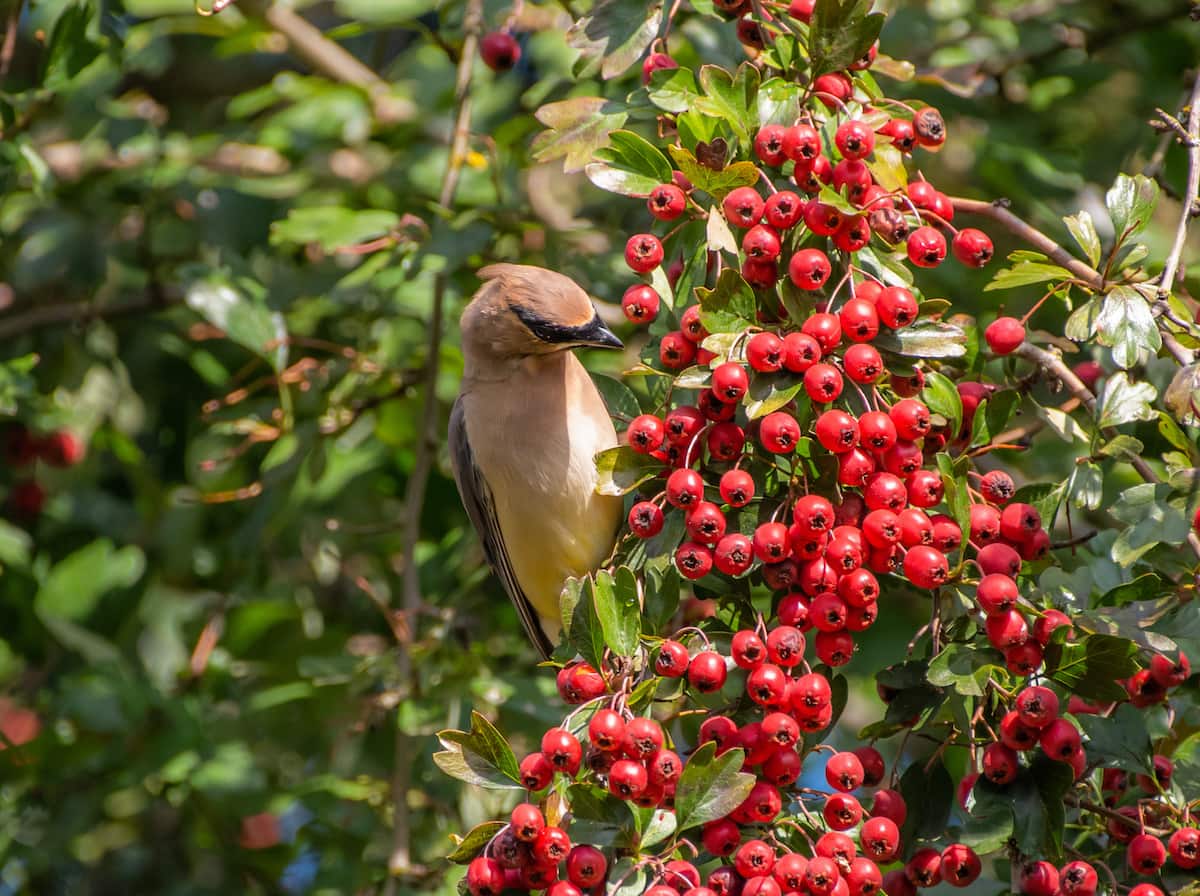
(524, 432)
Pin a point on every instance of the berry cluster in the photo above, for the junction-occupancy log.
(801, 462)
(60, 448)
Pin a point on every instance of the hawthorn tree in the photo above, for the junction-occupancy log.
(238, 596)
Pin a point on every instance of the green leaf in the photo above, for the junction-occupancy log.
(715, 183)
(616, 33)
(1024, 273)
(964, 667)
(770, 391)
(930, 799)
(630, 165)
(1045, 496)
(660, 826)
(385, 12)
(925, 339)
(717, 234)
(1152, 520)
(730, 306)
(576, 128)
(673, 89)
(70, 49)
(1131, 202)
(600, 818)
(469, 846)
(710, 786)
(732, 98)
(887, 167)
(618, 398)
(77, 582)
(1182, 397)
(618, 609)
(627, 879)
(244, 320)
(1126, 325)
(1124, 402)
(332, 227)
(1092, 667)
(1145, 587)
(990, 819)
(621, 470)
(941, 396)
(1081, 325)
(1086, 486)
(481, 756)
(1084, 231)
(841, 32)
(778, 102)
(582, 633)
(1122, 446)
(1120, 739)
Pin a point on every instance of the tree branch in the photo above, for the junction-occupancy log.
(998, 212)
(12, 325)
(414, 498)
(1171, 267)
(1054, 365)
(334, 61)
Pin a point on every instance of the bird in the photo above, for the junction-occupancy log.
(523, 436)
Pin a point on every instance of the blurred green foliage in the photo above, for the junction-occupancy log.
(218, 266)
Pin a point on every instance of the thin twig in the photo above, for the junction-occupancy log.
(998, 211)
(1171, 268)
(414, 498)
(21, 322)
(8, 47)
(333, 61)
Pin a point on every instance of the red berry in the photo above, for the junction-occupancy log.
(844, 772)
(1038, 879)
(1008, 629)
(743, 207)
(902, 134)
(684, 488)
(998, 558)
(1000, 764)
(897, 307)
(1078, 879)
(586, 866)
(880, 837)
(972, 247)
(666, 202)
(1184, 847)
(721, 837)
(676, 351)
(640, 304)
(1170, 673)
(761, 243)
(822, 219)
(551, 846)
(809, 269)
(61, 449)
(768, 145)
(672, 660)
(645, 519)
(779, 432)
(499, 50)
(823, 383)
(1060, 740)
(527, 821)
(645, 434)
(562, 749)
(536, 771)
(706, 672)
(1146, 854)
(734, 554)
(764, 352)
(694, 561)
(802, 144)
(924, 869)
(926, 247)
(643, 252)
(606, 730)
(929, 126)
(737, 488)
(854, 139)
(656, 62)
(783, 209)
(926, 567)
(1037, 706)
(1004, 335)
(800, 352)
(960, 866)
(485, 877)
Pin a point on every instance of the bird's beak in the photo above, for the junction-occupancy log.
(598, 335)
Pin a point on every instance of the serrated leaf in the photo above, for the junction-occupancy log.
(629, 165)
(622, 404)
(1091, 668)
(887, 167)
(1124, 402)
(1152, 519)
(1081, 325)
(925, 339)
(1145, 587)
(769, 392)
(729, 306)
(1130, 203)
(710, 786)
(964, 667)
(841, 32)
(582, 633)
(576, 128)
(1083, 230)
(1122, 446)
(618, 609)
(617, 33)
(732, 98)
(673, 89)
(1120, 739)
(778, 102)
(621, 469)
(1182, 397)
(716, 184)
(941, 396)
(472, 843)
(481, 756)
(1024, 273)
(1126, 325)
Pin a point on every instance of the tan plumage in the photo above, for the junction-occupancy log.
(523, 434)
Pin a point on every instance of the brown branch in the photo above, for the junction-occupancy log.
(334, 61)
(1171, 268)
(414, 498)
(8, 47)
(12, 325)
(998, 212)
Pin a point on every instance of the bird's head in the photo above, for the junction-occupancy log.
(523, 310)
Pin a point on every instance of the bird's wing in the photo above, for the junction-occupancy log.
(477, 498)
